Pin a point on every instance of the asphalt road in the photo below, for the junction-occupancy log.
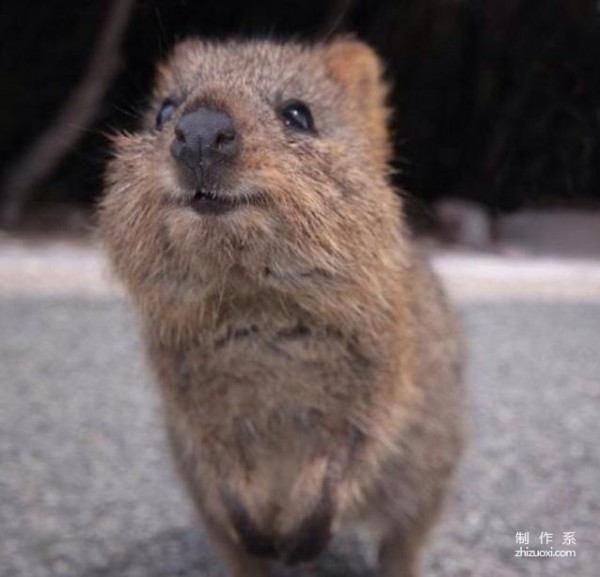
(87, 489)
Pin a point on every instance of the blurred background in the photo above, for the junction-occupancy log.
(497, 138)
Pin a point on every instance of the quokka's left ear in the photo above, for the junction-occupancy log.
(359, 70)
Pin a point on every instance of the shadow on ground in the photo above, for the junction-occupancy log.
(184, 553)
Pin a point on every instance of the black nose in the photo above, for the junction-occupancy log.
(203, 138)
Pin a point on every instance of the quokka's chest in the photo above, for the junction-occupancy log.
(246, 369)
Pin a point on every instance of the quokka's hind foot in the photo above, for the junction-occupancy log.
(400, 548)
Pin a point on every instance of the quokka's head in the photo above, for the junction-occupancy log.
(258, 158)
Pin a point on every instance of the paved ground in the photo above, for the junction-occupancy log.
(86, 487)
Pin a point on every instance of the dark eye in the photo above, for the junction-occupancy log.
(165, 113)
(297, 115)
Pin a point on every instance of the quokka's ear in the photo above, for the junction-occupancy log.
(359, 70)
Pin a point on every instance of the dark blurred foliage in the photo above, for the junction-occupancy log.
(496, 100)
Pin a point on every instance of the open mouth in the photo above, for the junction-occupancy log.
(207, 202)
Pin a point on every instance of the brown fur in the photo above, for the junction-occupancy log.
(310, 366)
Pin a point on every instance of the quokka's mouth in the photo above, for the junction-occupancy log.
(206, 201)
(209, 202)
